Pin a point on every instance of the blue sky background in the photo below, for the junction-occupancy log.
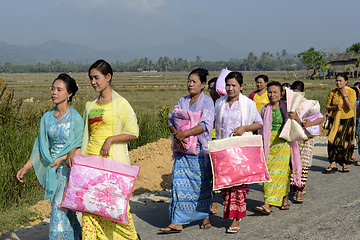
(248, 25)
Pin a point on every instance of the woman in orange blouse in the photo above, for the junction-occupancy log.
(340, 103)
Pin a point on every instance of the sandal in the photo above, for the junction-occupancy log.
(262, 210)
(171, 230)
(285, 207)
(205, 225)
(233, 230)
(331, 169)
(357, 163)
(345, 169)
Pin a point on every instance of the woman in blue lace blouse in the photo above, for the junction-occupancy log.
(60, 135)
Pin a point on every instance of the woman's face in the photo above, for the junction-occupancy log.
(194, 85)
(233, 88)
(98, 80)
(274, 94)
(260, 84)
(59, 92)
(212, 91)
(340, 82)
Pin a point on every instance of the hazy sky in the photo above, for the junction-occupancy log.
(252, 25)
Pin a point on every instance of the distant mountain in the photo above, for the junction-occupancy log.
(190, 48)
(57, 50)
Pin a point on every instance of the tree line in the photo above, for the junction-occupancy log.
(266, 62)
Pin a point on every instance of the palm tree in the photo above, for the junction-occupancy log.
(355, 49)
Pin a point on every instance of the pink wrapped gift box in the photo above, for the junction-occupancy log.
(238, 160)
(100, 186)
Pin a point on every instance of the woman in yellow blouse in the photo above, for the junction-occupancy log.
(260, 96)
(340, 103)
(110, 123)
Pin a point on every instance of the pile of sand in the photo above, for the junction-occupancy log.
(155, 173)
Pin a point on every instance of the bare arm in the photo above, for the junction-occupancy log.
(248, 128)
(121, 138)
(180, 136)
(21, 173)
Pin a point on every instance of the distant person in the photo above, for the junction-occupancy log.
(214, 96)
(191, 175)
(229, 121)
(60, 135)
(356, 89)
(341, 102)
(110, 123)
(357, 118)
(212, 89)
(308, 115)
(284, 86)
(279, 153)
(260, 96)
(357, 85)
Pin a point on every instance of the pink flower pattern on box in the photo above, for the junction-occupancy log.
(100, 186)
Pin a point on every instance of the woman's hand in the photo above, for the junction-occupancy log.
(293, 115)
(307, 123)
(179, 138)
(342, 91)
(105, 149)
(339, 107)
(70, 157)
(57, 162)
(239, 131)
(20, 174)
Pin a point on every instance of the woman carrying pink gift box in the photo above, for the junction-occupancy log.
(191, 189)
(60, 135)
(235, 114)
(110, 123)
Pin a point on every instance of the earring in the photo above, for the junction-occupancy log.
(68, 98)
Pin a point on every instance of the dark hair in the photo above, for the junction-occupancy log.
(286, 85)
(213, 80)
(357, 84)
(202, 73)
(70, 84)
(344, 75)
(275, 83)
(266, 79)
(102, 66)
(298, 85)
(356, 91)
(237, 75)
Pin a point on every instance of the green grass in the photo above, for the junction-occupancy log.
(15, 218)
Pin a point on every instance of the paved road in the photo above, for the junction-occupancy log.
(331, 210)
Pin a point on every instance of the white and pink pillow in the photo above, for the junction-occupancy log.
(100, 186)
(185, 120)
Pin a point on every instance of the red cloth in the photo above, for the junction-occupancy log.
(234, 201)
